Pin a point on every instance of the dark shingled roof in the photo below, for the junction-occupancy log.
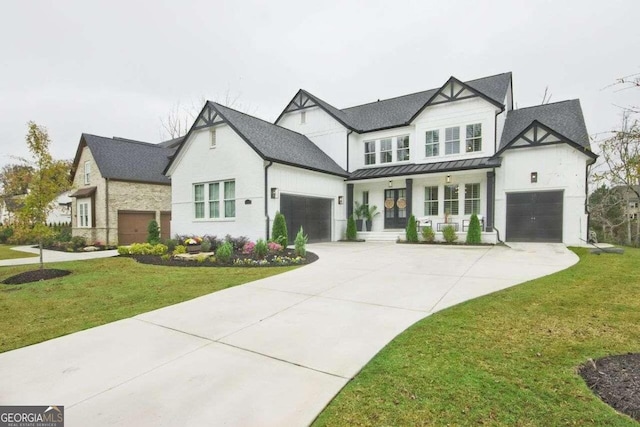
(399, 111)
(425, 168)
(563, 117)
(129, 160)
(171, 143)
(278, 144)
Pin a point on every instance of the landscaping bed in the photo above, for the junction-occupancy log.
(616, 380)
(284, 258)
(35, 276)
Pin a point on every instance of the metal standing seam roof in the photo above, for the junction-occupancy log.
(279, 144)
(129, 160)
(563, 117)
(425, 168)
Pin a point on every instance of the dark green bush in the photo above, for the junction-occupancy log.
(236, 242)
(428, 234)
(260, 250)
(279, 233)
(171, 244)
(351, 229)
(78, 242)
(412, 230)
(474, 233)
(64, 234)
(225, 252)
(449, 234)
(205, 246)
(153, 232)
(6, 232)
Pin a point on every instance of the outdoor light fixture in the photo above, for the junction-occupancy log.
(390, 183)
(340, 200)
(275, 193)
(448, 179)
(534, 177)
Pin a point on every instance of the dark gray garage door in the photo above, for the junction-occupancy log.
(313, 214)
(534, 217)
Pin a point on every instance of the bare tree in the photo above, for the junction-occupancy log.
(546, 97)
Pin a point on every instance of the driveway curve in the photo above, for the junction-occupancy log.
(270, 352)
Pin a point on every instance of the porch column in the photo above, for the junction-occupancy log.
(349, 200)
(491, 200)
(409, 184)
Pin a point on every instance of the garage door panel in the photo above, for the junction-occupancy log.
(310, 213)
(535, 216)
(132, 226)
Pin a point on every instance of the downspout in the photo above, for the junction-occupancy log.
(348, 133)
(106, 209)
(586, 196)
(266, 199)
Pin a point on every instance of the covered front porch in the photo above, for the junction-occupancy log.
(438, 200)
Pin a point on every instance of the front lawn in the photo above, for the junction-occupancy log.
(101, 291)
(7, 253)
(509, 358)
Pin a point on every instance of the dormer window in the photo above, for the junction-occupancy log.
(212, 138)
(87, 172)
(303, 117)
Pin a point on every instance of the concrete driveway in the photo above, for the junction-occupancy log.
(269, 353)
(49, 256)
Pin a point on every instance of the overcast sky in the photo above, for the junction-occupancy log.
(115, 68)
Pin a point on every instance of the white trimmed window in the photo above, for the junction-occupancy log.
(451, 201)
(431, 200)
(369, 152)
(212, 138)
(471, 199)
(452, 140)
(474, 137)
(432, 143)
(402, 148)
(209, 203)
(386, 150)
(87, 172)
(84, 213)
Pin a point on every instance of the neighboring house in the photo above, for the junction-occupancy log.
(61, 209)
(631, 200)
(118, 187)
(442, 155)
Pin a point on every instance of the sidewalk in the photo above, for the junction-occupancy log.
(54, 256)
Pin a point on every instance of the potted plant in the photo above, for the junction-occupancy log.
(371, 212)
(359, 213)
(193, 244)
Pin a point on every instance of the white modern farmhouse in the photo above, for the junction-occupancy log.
(441, 155)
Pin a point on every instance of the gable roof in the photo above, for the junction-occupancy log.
(273, 142)
(564, 118)
(400, 111)
(125, 159)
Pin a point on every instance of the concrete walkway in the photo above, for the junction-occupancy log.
(269, 353)
(54, 256)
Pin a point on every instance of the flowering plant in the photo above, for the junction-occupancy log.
(193, 241)
(248, 248)
(274, 247)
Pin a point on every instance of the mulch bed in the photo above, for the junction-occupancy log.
(35, 276)
(616, 380)
(177, 262)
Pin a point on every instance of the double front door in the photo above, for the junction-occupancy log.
(395, 208)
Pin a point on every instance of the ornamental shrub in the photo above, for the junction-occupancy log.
(205, 246)
(279, 233)
(159, 249)
(428, 234)
(5, 233)
(274, 247)
(351, 229)
(449, 234)
(301, 243)
(260, 250)
(180, 249)
(153, 232)
(224, 252)
(247, 249)
(474, 233)
(412, 230)
(123, 250)
(78, 242)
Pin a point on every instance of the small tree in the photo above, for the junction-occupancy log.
(412, 230)
(301, 243)
(474, 233)
(279, 233)
(449, 234)
(351, 229)
(153, 232)
(49, 179)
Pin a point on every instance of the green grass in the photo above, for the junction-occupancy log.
(509, 358)
(7, 253)
(101, 291)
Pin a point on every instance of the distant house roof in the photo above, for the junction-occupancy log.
(171, 143)
(125, 159)
(425, 168)
(400, 111)
(564, 118)
(273, 142)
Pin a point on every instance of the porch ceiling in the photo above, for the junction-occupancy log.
(425, 168)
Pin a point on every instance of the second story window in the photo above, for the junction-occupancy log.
(432, 143)
(370, 153)
(403, 148)
(87, 172)
(474, 137)
(452, 140)
(386, 150)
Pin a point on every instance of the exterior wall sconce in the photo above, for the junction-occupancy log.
(275, 193)
(390, 184)
(448, 179)
(534, 177)
(340, 200)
